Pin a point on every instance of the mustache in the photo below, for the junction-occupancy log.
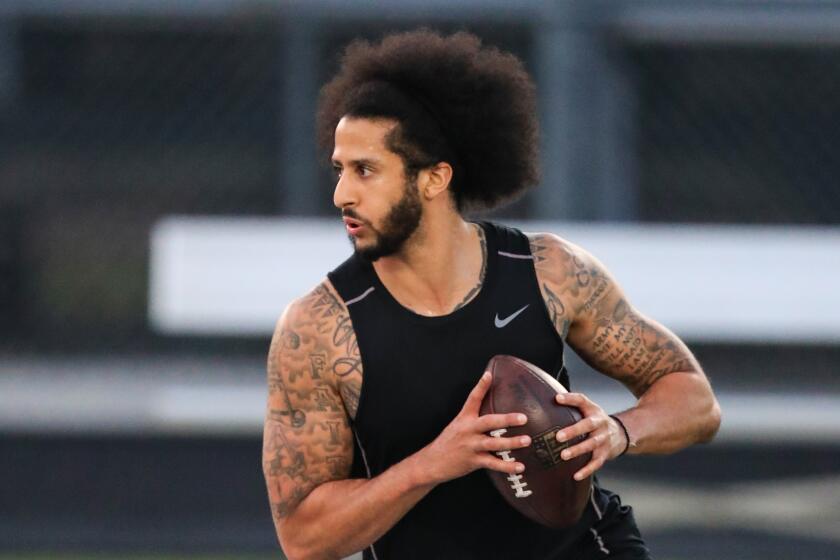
(350, 213)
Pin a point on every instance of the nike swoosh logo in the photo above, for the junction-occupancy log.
(500, 323)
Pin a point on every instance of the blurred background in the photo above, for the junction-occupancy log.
(161, 200)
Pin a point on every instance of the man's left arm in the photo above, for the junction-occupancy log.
(676, 406)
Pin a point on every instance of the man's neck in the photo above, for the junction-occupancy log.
(439, 268)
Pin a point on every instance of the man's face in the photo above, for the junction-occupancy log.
(380, 206)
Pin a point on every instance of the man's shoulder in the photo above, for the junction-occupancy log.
(320, 304)
(545, 239)
(551, 250)
(568, 272)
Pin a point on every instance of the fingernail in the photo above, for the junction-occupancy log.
(561, 437)
(565, 455)
(520, 467)
(521, 418)
(578, 476)
(525, 440)
(559, 397)
(486, 376)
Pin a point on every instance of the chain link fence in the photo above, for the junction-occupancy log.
(738, 134)
(117, 121)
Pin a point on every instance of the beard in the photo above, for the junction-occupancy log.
(400, 223)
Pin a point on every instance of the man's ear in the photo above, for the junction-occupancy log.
(434, 180)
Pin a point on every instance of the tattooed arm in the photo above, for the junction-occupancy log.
(676, 406)
(314, 380)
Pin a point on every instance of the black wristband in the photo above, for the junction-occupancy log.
(626, 433)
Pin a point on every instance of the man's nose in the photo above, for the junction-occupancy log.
(344, 194)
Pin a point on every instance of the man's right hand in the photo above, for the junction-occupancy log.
(464, 446)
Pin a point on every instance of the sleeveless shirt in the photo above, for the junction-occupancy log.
(417, 373)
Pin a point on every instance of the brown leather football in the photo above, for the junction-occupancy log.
(546, 491)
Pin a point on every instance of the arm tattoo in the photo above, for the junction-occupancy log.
(333, 318)
(587, 307)
(314, 383)
(556, 311)
(350, 392)
(636, 350)
(563, 277)
(277, 386)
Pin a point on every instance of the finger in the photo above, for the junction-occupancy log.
(510, 467)
(473, 402)
(503, 444)
(578, 400)
(589, 445)
(590, 468)
(490, 422)
(584, 426)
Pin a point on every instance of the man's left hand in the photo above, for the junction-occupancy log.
(606, 439)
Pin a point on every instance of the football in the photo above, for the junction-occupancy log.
(546, 492)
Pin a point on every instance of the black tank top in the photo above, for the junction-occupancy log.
(417, 373)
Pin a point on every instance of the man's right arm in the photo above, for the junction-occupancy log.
(308, 443)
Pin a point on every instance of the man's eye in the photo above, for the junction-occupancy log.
(364, 171)
(337, 172)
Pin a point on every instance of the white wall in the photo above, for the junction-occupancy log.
(225, 276)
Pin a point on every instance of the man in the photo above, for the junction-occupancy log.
(373, 439)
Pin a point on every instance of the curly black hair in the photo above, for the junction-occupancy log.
(455, 100)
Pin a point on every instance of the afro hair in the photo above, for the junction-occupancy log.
(455, 100)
